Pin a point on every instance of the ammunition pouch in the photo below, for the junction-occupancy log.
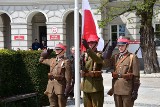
(91, 73)
(56, 77)
(127, 76)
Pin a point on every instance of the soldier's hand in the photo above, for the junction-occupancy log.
(114, 74)
(44, 54)
(134, 95)
(107, 54)
(110, 92)
(85, 44)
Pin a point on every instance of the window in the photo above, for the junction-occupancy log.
(157, 34)
(117, 30)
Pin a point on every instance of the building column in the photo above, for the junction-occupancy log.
(29, 35)
(1, 37)
(19, 37)
(56, 32)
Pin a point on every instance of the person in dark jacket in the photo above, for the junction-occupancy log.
(36, 45)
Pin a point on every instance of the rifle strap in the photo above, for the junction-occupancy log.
(121, 60)
(53, 62)
(130, 63)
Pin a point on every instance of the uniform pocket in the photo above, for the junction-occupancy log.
(125, 67)
(50, 87)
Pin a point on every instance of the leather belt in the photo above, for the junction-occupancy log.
(127, 76)
(91, 73)
(55, 77)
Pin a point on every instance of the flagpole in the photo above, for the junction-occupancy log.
(77, 59)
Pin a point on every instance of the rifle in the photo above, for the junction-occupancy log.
(105, 46)
(82, 61)
(137, 50)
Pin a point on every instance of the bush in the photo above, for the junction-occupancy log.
(21, 73)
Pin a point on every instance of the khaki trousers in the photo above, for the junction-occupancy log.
(94, 99)
(57, 100)
(123, 101)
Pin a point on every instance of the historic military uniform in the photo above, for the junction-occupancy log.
(126, 76)
(59, 80)
(92, 84)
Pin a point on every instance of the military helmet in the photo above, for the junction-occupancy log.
(60, 46)
(123, 40)
(93, 38)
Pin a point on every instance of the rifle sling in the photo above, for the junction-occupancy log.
(117, 64)
(131, 60)
(53, 65)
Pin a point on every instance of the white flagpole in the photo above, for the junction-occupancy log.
(77, 59)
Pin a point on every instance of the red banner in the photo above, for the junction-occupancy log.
(54, 37)
(19, 37)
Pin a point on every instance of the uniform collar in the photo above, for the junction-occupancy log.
(59, 58)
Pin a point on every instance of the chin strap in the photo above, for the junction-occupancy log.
(59, 52)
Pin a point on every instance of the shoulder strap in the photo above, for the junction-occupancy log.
(53, 62)
(117, 64)
(130, 63)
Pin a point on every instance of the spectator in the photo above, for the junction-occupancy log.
(35, 45)
(43, 45)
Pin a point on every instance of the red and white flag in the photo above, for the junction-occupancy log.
(90, 26)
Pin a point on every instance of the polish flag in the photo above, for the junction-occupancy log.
(90, 26)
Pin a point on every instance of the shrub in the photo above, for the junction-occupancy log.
(21, 73)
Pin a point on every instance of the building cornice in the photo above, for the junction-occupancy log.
(40, 2)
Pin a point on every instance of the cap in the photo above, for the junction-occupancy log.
(123, 40)
(60, 46)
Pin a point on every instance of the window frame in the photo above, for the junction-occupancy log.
(118, 32)
(157, 40)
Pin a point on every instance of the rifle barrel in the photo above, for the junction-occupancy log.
(137, 50)
(105, 46)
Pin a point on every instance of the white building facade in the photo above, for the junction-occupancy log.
(52, 21)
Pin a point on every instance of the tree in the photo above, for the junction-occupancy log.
(144, 9)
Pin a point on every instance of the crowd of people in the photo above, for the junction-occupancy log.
(125, 82)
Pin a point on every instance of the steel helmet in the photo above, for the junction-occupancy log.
(93, 38)
(123, 40)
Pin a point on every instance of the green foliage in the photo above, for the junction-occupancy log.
(21, 73)
(113, 11)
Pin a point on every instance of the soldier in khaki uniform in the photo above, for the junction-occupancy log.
(60, 76)
(92, 85)
(126, 75)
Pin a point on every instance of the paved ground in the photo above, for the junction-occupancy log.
(149, 92)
